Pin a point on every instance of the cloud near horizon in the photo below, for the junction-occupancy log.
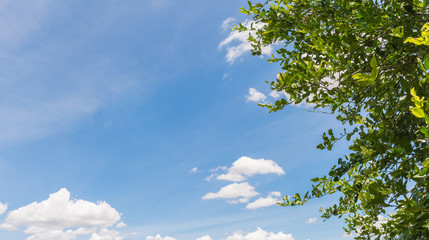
(61, 218)
(259, 234)
(158, 237)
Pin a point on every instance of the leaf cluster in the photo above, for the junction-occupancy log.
(367, 62)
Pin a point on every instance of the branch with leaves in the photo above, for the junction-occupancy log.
(361, 61)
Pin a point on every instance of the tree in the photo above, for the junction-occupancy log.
(367, 62)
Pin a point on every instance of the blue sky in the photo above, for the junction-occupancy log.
(115, 114)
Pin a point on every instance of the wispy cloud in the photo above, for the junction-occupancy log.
(58, 81)
(3, 208)
(311, 220)
(236, 43)
(226, 24)
(60, 217)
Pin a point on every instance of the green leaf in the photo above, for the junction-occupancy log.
(315, 179)
(426, 163)
(372, 78)
(373, 62)
(359, 76)
(426, 61)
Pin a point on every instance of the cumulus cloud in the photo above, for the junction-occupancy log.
(206, 237)
(240, 200)
(62, 218)
(106, 234)
(243, 191)
(193, 170)
(255, 96)
(272, 199)
(121, 225)
(246, 167)
(311, 220)
(236, 43)
(3, 208)
(158, 237)
(260, 234)
(38, 233)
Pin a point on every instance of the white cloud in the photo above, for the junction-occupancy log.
(226, 76)
(56, 234)
(381, 220)
(193, 170)
(158, 237)
(260, 234)
(62, 218)
(206, 237)
(121, 225)
(311, 220)
(226, 24)
(234, 177)
(209, 178)
(272, 199)
(232, 191)
(246, 167)
(276, 94)
(218, 169)
(214, 174)
(255, 96)
(106, 234)
(242, 46)
(240, 200)
(3, 208)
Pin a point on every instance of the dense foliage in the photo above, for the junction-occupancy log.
(367, 62)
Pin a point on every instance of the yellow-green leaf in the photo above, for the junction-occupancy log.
(418, 112)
